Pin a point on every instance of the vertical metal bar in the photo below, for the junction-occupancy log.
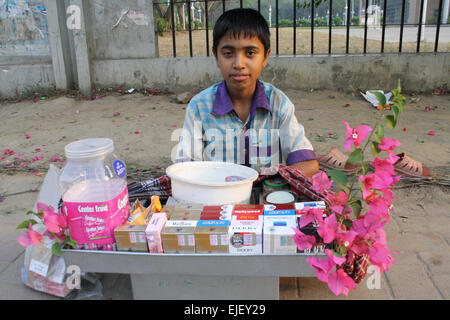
(365, 26)
(330, 22)
(312, 26)
(241, 3)
(438, 27)
(295, 27)
(173, 29)
(402, 23)
(419, 31)
(223, 5)
(276, 24)
(347, 40)
(207, 28)
(383, 34)
(259, 5)
(190, 28)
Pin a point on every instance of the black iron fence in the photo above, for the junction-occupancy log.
(382, 18)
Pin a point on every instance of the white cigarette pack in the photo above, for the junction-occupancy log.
(279, 234)
(245, 236)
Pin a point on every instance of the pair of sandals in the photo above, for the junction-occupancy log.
(405, 166)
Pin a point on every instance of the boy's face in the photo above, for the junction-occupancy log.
(241, 61)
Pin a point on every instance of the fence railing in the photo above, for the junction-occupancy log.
(175, 18)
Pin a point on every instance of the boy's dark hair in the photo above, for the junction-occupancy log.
(242, 21)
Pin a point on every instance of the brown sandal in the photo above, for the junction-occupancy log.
(336, 160)
(411, 168)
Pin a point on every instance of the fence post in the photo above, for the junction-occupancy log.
(83, 47)
(59, 44)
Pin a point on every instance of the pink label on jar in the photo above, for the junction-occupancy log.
(94, 222)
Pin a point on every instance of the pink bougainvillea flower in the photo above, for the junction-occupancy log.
(355, 136)
(330, 133)
(321, 266)
(388, 144)
(384, 164)
(116, 114)
(337, 260)
(379, 206)
(27, 136)
(379, 180)
(35, 173)
(52, 220)
(55, 158)
(328, 228)
(30, 238)
(427, 109)
(2, 157)
(380, 256)
(302, 240)
(8, 152)
(431, 133)
(320, 182)
(339, 282)
(23, 164)
(338, 201)
(309, 215)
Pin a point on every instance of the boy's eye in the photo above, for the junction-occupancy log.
(250, 52)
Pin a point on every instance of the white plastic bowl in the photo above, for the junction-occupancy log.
(205, 182)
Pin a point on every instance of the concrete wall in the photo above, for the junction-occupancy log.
(115, 44)
(417, 72)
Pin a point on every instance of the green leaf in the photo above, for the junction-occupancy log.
(347, 223)
(69, 241)
(365, 168)
(356, 156)
(380, 130)
(56, 249)
(25, 224)
(395, 110)
(390, 121)
(356, 208)
(374, 148)
(338, 176)
(380, 97)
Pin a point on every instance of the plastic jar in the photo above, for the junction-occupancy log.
(274, 184)
(94, 193)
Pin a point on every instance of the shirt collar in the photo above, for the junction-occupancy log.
(223, 105)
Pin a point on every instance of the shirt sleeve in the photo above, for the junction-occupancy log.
(295, 147)
(190, 145)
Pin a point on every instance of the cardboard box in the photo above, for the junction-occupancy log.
(215, 216)
(299, 206)
(245, 236)
(211, 236)
(168, 210)
(153, 232)
(279, 234)
(131, 238)
(272, 207)
(178, 236)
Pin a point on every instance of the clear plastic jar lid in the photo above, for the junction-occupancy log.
(89, 148)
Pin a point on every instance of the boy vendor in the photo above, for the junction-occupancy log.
(242, 119)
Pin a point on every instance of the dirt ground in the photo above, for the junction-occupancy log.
(285, 42)
(142, 136)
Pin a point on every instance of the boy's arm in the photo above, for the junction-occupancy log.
(309, 167)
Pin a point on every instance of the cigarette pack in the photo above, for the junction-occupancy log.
(211, 236)
(248, 209)
(186, 215)
(215, 216)
(153, 232)
(279, 234)
(178, 236)
(300, 206)
(131, 238)
(272, 207)
(227, 208)
(245, 236)
(168, 210)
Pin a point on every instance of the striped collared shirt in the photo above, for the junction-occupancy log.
(271, 134)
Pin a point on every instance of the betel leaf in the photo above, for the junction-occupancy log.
(380, 97)
(356, 156)
(374, 148)
(390, 121)
(338, 176)
(25, 224)
(56, 249)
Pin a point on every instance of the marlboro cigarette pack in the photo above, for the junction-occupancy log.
(178, 236)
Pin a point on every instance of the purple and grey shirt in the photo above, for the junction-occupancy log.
(271, 134)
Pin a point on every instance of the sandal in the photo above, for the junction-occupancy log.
(336, 160)
(411, 168)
